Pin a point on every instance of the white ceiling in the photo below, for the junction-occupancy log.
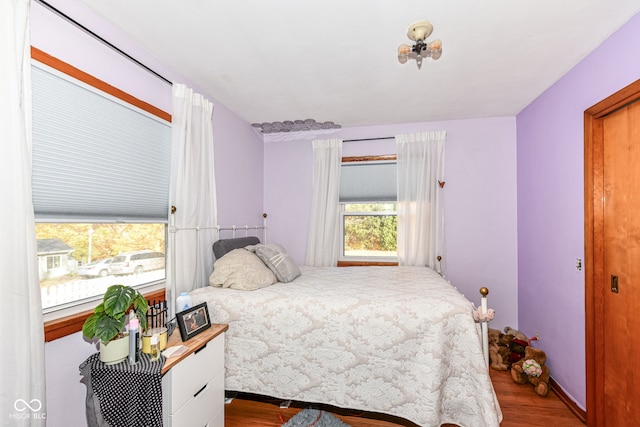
(337, 59)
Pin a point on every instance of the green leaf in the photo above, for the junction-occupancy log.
(117, 300)
(89, 327)
(99, 308)
(108, 327)
(141, 306)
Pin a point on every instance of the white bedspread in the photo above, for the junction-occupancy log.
(394, 340)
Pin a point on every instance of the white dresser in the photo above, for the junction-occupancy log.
(193, 383)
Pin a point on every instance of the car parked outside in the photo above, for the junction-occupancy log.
(98, 268)
(137, 262)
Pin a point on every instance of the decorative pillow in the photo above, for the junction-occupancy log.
(276, 258)
(241, 269)
(223, 246)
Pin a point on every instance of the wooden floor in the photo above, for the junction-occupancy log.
(520, 407)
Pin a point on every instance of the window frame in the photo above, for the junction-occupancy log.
(348, 261)
(69, 319)
(53, 262)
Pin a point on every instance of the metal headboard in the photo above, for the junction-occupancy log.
(244, 231)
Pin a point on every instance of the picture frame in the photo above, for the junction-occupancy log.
(193, 320)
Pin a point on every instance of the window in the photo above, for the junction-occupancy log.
(100, 188)
(369, 231)
(91, 264)
(53, 262)
(368, 217)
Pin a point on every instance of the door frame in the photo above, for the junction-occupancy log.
(594, 245)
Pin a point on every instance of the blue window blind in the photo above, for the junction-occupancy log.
(362, 182)
(96, 158)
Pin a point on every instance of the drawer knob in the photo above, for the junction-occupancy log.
(200, 349)
(201, 390)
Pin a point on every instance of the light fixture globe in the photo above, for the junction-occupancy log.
(435, 49)
(403, 53)
(404, 50)
(435, 45)
(419, 30)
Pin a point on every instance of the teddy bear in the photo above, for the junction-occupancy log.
(504, 348)
(497, 362)
(516, 334)
(532, 369)
(517, 350)
(504, 345)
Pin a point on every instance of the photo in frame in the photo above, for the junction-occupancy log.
(193, 320)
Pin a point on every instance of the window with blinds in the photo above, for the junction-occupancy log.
(100, 187)
(368, 218)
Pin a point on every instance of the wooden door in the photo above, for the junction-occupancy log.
(621, 287)
(612, 258)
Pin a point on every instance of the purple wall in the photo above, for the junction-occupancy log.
(479, 203)
(238, 162)
(551, 204)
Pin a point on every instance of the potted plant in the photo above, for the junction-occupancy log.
(108, 320)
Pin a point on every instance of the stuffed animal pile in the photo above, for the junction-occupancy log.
(506, 348)
(511, 350)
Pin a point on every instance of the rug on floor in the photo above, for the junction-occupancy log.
(314, 417)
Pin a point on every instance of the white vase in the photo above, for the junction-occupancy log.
(115, 351)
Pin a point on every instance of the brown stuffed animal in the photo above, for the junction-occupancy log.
(517, 348)
(497, 362)
(504, 348)
(532, 369)
(516, 333)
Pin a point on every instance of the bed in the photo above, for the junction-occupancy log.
(394, 340)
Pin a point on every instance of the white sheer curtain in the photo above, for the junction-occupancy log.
(323, 243)
(193, 193)
(22, 354)
(420, 218)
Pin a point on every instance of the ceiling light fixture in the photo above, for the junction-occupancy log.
(294, 126)
(418, 32)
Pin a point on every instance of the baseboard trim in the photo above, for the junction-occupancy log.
(573, 407)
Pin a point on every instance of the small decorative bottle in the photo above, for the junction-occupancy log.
(134, 341)
(183, 302)
(154, 348)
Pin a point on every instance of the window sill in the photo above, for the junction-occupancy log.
(367, 263)
(67, 325)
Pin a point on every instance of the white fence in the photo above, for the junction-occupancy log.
(79, 289)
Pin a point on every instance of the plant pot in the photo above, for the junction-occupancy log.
(115, 351)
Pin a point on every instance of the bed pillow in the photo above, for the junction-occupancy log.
(276, 258)
(241, 269)
(223, 246)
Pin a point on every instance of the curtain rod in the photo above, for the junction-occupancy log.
(96, 36)
(369, 139)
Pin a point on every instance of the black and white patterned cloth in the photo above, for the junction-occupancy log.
(127, 395)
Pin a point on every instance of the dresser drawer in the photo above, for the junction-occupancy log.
(205, 408)
(217, 420)
(189, 376)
